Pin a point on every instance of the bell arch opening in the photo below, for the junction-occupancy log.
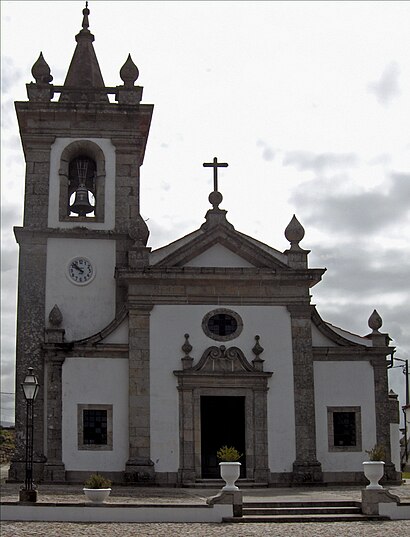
(82, 183)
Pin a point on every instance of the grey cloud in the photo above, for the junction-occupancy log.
(356, 270)
(324, 207)
(267, 152)
(10, 75)
(9, 255)
(7, 114)
(387, 87)
(10, 216)
(13, 143)
(383, 159)
(304, 160)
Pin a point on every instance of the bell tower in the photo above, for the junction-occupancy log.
(84, 144)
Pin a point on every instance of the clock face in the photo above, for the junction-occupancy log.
(80, 270)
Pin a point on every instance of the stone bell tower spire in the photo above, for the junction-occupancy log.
(84, 73)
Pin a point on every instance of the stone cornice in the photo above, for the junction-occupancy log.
(72, 350)
(26, 234)
(306, 277)
(54, 107)
(356, 353)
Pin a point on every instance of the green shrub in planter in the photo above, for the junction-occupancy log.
(97, 481)
(377, 453)
(228, 454)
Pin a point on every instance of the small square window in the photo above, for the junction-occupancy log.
(95, 427)
(344, 428)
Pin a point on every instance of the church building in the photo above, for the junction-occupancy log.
(150, 360)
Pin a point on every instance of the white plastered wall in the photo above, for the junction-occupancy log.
(172, 322)
(218, 256)
(344, 383)
(54, 192)
(102, 381)
(86, 309)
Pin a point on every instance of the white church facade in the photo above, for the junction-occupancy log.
(150, 360)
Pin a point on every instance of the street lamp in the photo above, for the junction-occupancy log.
(30, 388)
(406, 407)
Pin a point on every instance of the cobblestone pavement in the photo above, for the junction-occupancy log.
(74, 493)
(399, 528)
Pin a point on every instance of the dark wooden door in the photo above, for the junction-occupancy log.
(222, 423)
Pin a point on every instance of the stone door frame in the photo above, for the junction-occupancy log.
(253, 386)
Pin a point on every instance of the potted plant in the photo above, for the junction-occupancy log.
(374, 468)
(230, 466)
(97, 488)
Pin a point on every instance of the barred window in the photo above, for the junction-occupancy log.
(95, 427)
(344, 428)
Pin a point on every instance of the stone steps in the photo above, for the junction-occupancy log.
(219, 483)
(309, 511)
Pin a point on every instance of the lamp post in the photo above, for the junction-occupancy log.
(30, 388)
(406, 407)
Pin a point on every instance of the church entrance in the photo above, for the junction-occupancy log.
(222, 423)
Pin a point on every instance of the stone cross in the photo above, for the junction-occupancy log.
(215, 165)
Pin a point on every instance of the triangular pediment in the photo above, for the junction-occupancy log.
(219, 255)
(220, 246)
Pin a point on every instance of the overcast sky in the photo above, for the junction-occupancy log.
(308, 102)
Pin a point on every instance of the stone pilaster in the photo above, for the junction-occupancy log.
(30, 337)
(383, 414)
(139, 466)
(187, 471)
(54, 469)
(306, 468)
(261, 472)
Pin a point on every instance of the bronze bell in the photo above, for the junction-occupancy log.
(81, 204)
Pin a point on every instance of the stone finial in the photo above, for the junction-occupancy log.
(129, 73)
(54, 334)
(86, 22)
(41, 71)
(186, 347)
(55, 317)
(187, 360)
(375, 322)
(294, 233)
(215, 199)
(257, 350)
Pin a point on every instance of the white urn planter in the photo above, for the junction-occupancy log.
(230, 473)
(373, 471)
(96, 495)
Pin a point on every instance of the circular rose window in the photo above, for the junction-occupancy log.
(222, 324)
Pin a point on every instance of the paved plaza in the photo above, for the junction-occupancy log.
(153, 495)
(331, 529)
